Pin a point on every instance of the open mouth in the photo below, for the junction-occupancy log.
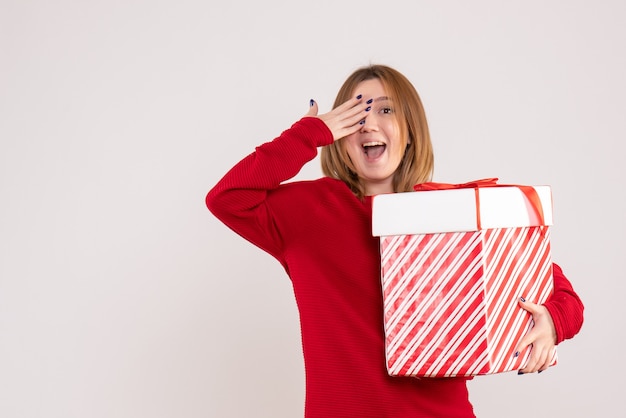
(374, 149)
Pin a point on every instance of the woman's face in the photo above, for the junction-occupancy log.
(376, 150)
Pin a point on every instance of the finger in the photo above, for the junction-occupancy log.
(532, 363)
(540, 362)
(357, 114)
(532, 334)
(347, 112)
(354, 123)
(349, 130)
(539, 351)
(340, 134)
(530, 367)
(549, 359)
(350, 103)
(347, 122)
(541, 319)
(526, 340)
(530, 307)
(540, 359)
(313, 109)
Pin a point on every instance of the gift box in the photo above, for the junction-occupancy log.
(455, 260)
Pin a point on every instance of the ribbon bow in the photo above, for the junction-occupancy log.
(490, 182)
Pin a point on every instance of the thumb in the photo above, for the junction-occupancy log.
(312, 108)
(530, 307)
(527, 340)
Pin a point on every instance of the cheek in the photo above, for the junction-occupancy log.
(392, 130)
(399, 148)
(393, 134)
(398, 156)
(350, 145)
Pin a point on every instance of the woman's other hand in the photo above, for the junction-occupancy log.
(542, 337)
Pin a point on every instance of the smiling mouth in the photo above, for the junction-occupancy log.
(374, 149)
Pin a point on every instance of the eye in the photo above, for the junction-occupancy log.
(386, 110)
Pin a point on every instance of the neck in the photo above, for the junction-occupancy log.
(372, 189)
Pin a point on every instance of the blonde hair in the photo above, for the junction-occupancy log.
(418, 161)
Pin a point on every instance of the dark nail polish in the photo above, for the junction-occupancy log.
(359, 97)
(370, 101)
(522, 299)
(539, 371)
(368, 108)
(516, 354)
(312, 102)
(520, 372)
(362, 122)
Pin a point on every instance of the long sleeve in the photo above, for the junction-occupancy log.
(240, 198)
(321, 233)
(565, 307)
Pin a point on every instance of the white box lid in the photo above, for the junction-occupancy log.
(454, 210)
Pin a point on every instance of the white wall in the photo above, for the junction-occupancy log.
(121, 296)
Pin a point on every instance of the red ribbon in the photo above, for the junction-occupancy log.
(528, 191)
(490, 182)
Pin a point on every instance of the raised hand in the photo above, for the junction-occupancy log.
(346, 118)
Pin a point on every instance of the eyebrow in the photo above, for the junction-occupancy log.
(382, 98)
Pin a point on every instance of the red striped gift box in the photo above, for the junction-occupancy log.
(451, 296)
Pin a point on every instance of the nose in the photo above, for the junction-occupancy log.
(370, 123)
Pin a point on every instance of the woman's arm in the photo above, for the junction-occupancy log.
(565, 307)
(239, 199)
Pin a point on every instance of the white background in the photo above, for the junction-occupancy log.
(120, 294)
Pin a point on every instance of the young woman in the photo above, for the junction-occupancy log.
(374, 141)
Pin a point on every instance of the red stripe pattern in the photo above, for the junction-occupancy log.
(451, 299)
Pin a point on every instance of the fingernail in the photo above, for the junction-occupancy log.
(368, 108)
(370, 101)
(522, 299)
(311, 103)
(516, 354)
(539, 371)
(362, 122)
(359, 97)
(520, 372)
